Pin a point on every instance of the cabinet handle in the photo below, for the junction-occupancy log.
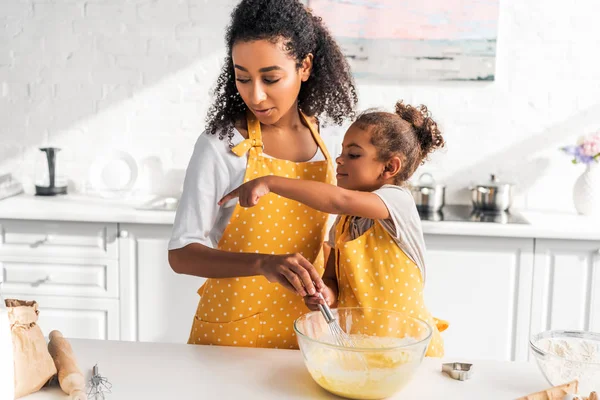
(123, 234)
(40, 242)
(41, 281)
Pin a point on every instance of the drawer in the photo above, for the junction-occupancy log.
(76, 318)
(63, 277)
(58, 239)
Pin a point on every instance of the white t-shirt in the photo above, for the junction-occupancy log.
(404, 224)
(214, 171)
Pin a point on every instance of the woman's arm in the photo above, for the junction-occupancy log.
(207, 179)
(318, 195)
(292, 271)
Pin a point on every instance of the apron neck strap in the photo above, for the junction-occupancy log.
(316, 137)
(254, 137)
(254, 132)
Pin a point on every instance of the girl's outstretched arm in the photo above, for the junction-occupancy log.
(318, 195)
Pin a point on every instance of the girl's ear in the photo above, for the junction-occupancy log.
(392, 168)
(306, 67)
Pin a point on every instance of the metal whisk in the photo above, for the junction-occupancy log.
(340, 337)
(355, 360)
(98, 385)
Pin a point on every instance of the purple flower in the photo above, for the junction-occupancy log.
(578, 155)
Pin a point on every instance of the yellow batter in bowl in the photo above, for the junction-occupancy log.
(363, 375)
(379, 366)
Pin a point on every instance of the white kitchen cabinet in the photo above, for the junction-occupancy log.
(482, 287)
(166, 301)
(58, 239)
(72, 270)
(81, 318)
(566, 290)
(87, 277)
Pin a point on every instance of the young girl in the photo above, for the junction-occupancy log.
(377, 260)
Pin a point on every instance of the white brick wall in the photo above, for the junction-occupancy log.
(86, 75)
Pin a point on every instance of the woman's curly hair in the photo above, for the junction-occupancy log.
(329, 92)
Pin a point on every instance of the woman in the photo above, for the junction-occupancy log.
(283, 70)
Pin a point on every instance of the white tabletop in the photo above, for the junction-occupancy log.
(178, 371)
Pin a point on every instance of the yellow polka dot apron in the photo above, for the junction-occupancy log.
(251, 311)
(372, 271)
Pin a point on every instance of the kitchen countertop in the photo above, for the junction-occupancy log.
(178, 371)
(542, 224)
(82, 208)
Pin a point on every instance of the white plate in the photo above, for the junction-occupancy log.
(113, 171)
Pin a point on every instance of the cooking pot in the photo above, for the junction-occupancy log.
(492, 195)
(429, 196)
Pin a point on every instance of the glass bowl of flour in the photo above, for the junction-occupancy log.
(564, 356)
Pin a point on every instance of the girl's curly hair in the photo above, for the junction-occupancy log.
(329, 92)
(409, 132)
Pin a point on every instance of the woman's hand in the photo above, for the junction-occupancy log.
(249, 193)
(329, 294)
(293, 272)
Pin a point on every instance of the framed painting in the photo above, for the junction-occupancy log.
(417, 40)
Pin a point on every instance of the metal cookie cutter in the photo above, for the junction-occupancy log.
(458, 371)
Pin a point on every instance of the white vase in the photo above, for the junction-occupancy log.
(586, 192)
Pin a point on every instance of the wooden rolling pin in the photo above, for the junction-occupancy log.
(70, 378)
(554, 393)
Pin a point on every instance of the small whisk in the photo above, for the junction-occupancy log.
(340, 337)
(98, 385)
(349, 359)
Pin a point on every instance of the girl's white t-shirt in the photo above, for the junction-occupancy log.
(214, 171)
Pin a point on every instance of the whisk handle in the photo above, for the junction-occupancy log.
(326, 311)
(327, 314)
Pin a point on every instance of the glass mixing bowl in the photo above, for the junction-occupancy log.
(564, 356)
(390, 346)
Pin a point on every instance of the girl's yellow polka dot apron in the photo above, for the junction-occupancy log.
(251, 311)
(374, 272)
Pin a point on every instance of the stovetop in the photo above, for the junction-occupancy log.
(464, 213)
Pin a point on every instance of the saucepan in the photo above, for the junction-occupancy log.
(429, 196)
(492, 195)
